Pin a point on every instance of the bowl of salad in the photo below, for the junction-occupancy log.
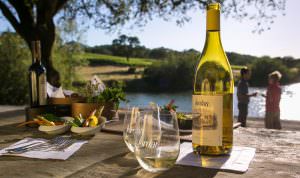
(89, 125)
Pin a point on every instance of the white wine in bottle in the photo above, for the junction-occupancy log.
(213, 93)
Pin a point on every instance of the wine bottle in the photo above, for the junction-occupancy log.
(37, 77)
(212, 132)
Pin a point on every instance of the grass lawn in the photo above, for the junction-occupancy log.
(116, 60)
(109, 67)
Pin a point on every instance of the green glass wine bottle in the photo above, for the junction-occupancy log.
(37, 77)
(213, 93)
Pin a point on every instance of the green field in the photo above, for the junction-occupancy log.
(116, 60)
(115, 68)
(237, 67)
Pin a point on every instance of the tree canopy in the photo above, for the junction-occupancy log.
(124, 45)
(37, 19)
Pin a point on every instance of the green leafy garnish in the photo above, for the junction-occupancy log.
(52, 118)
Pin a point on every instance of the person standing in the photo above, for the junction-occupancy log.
(272, 118)
(244, 96)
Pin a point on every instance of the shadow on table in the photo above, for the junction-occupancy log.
(11, 134)
(11, 114)
(125, 165)
(12, 129)
(176, 171)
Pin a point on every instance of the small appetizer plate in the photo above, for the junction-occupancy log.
(54, 130)
(89, 130)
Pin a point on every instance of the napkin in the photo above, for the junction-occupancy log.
(62, 155)
(237, 161)
(54, 92)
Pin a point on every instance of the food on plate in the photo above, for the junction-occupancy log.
(91, 121)
(184, 119)
(45, 120)
(170, 106)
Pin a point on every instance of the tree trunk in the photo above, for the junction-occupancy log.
(36, 27)
(127, 53)
(47, 37)
(46, 34)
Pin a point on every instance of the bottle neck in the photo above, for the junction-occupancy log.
(34, 58)
(213, 17)
(213, 38)
(36, 52)
(213, 41)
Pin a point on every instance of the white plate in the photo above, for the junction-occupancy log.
(54, 130)
(89, 130)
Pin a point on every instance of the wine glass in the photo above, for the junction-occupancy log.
(130, 118)
(157, 140)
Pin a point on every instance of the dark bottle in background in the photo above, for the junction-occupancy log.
(37, 77)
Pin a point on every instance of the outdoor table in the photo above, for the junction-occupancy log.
(106, 155)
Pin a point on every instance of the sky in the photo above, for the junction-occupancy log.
(282, 40)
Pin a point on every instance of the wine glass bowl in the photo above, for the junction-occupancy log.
(157, 140)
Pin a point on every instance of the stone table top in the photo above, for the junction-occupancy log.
(106, 155)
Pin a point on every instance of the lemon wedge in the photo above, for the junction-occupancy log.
(93, 121)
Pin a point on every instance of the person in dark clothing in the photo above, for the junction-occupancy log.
(244, 96)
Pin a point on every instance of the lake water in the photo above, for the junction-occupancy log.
(290, 101)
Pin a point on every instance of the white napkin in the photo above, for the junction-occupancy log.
(54, 92)
(63, 155)
(238, 160)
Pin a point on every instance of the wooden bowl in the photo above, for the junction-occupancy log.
(65, 101)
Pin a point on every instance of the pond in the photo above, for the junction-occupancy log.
(290, 101)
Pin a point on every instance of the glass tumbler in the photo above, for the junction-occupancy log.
(157, 140)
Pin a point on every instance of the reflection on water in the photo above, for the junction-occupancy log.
(290, 101)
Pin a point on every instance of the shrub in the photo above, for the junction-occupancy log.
(14, 60)
(171, 75)
(131, 70)
(263, 66)
(66, 62)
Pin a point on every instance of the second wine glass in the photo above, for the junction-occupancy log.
(130, 120)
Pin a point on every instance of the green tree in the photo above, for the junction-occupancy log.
(66, 59)
(159, 53)
(174, 74)
(263, 66)
(35, 19)
(125, 45)
(14, 60)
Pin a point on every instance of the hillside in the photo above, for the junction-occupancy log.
(102, 59)
(112, 68)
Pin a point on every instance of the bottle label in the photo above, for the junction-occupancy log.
(208, 122)
(42, 90)
(33, 89)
